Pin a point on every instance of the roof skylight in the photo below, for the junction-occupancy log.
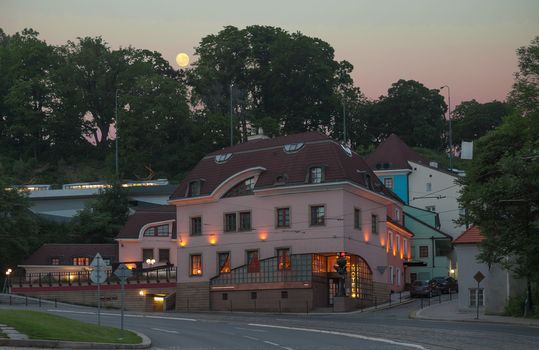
(347, 150)
(293, 147)
(221, 158)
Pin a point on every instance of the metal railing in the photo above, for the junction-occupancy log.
(82, 278)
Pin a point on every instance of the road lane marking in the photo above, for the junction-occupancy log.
(271, 343)
(126, 315)
(252, 330)
(351, 335)
(248, 337)
(165, 330)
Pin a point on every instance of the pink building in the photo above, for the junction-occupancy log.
(259, 225)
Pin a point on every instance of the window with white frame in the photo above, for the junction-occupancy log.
(398, 243)
(405, 247)
(391, 275)
(398, 276)
(397, 215)
(429, 186)
(477, 294)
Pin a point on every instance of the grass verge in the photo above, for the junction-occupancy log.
(40, 325)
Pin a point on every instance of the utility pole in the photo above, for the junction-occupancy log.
(117, 135)
(231, 126)
(450, 128)
(344, 120)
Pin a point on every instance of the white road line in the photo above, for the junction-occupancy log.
(351, 335)
(165, 330)
(126, 315)
(173, 318)
(271, 343)
(252, 330)
(248, 337)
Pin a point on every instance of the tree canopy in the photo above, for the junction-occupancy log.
(501, 189)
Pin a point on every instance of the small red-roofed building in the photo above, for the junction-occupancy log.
(498, 284)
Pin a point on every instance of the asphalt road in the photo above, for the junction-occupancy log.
(385, 329)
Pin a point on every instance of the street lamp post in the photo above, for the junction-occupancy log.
(450, 128)
(5, 289)
(231, 124)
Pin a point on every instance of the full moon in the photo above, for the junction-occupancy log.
(182, 59)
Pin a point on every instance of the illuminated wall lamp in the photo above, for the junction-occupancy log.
(141, 293)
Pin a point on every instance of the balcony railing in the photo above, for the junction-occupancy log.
(82, 278)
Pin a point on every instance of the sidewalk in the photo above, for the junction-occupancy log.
(448, 311)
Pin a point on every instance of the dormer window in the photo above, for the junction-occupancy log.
(194, 188)
(221, 158)
(293, 147)
(157, 231)
(316, 175)
(244, 188)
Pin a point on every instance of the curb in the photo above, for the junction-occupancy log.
(60, 344)
(417, 316)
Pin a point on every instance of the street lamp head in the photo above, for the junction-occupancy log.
(8, 272)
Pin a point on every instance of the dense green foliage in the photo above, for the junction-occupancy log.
(501, 189)
(41, 325)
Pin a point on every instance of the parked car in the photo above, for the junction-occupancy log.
(424, 289)
(447, 283)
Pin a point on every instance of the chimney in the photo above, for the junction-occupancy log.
(259, 136)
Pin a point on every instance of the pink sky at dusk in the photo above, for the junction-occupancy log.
(466, 44)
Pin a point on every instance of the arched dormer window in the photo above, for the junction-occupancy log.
(157, 231)
(244, 188)
(316, 175)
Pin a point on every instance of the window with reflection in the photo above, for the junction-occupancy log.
(253, 263)
(315, 175)
(194, 188)
(156, 231)
(244, 188)
(283, 217)
(318, 215)
(224, 262)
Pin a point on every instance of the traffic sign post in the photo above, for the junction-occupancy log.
(98, 276)
(478, 277)
(123, 273)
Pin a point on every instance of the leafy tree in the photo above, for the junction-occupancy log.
(412, 111)
(472, 119)
(501, 189)
(18, 227)
(288, 77)
(101, 221)
(25, 94)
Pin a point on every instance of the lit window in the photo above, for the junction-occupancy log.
(357, 218)
(374, 224)
(429, 187)
(253, 263)
(196, 265)
(230, 222)
(196, 226)
(224, 262)
(55, 261)
(283, 217)
(318, 215)
(315, 175)
(81, 261)
(283, 258)
(245, 221)
(388, 182)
